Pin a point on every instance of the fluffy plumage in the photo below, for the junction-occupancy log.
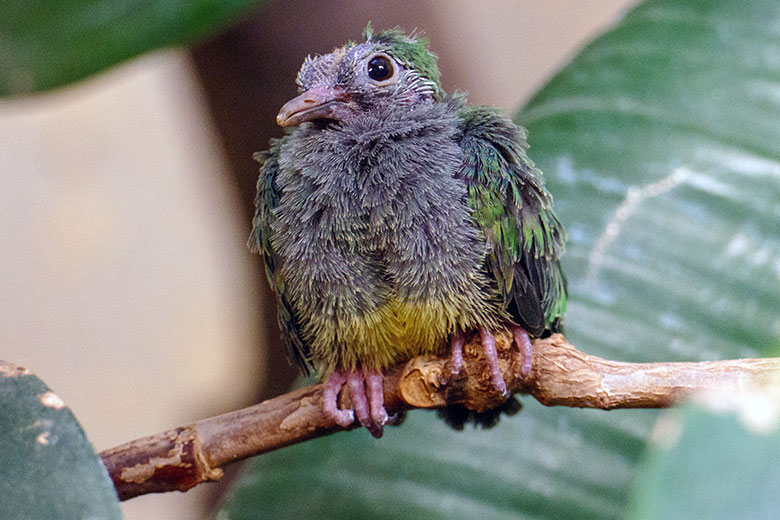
(394, 216)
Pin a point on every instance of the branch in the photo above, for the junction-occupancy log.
(560, 376)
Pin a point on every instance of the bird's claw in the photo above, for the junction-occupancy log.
(365, 388)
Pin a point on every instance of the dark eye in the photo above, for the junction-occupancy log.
(380, 68)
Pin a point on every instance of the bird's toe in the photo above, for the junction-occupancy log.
(455, 363)
(376, 397)
(523, 343)
(330, 406)
(491, 356)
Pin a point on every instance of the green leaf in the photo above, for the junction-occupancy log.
(660, 143)
(679, 105)
(729, 469)
(46, 44)
(424, 469)
(48, 468)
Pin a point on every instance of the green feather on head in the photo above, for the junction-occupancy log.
(411, 50)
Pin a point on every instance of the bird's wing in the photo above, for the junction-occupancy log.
(514, 211)
(268, 196)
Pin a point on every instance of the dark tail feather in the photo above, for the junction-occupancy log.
(457, 416)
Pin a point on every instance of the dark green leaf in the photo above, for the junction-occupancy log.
(726, 469)
(660, 143)
(48, 469)
(684, 94)
(424, 469)
(46, 44)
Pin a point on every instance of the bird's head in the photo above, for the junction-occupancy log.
(387, 69)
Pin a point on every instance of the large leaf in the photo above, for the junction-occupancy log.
(729, 466)
(660, 143)
(45, 44)
(48, 468)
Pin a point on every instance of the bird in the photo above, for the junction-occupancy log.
(395, 219)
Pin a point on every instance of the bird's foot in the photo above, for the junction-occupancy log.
(488, 340)
(457, 342)
(365, 389)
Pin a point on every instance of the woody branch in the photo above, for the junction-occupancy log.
(561, 375)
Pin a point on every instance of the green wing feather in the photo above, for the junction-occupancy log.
(268, 195)
(514, 210)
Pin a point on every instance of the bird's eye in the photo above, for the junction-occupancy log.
(380, 68)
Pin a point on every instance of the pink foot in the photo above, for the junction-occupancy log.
(491, 356)
(365, 388)
(521, 339)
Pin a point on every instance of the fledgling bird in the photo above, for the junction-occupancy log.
(394, 218)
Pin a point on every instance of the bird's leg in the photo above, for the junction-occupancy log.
(491, 356)
(365, 388)
(523, 343)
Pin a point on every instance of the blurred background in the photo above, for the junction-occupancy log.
(125, 205)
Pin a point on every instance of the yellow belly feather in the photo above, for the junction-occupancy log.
(395, 332)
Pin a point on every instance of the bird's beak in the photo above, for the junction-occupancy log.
(321, 102)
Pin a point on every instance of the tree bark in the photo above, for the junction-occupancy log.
(560, 376)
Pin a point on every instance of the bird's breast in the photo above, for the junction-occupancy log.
(380, 253)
